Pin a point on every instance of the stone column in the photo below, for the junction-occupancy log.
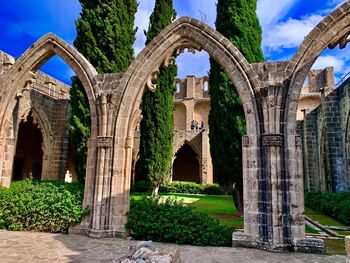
(251, 237)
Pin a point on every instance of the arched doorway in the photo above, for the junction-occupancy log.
(29, 153)
(186, 165)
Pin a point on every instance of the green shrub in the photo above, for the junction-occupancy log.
(213, 189)
(180, 187)
(183, 188)
(41, 206)
(336, 205)
(142, 187)
(171, 221)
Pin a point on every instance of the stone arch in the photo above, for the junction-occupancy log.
(40, 121)
(43, 123)
(186, 164)
(330, 32)
(22, 74)
(181, 34)
(193, 146)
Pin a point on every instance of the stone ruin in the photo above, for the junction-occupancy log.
(272, 147)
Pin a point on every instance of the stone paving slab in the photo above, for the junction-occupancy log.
(29, 247)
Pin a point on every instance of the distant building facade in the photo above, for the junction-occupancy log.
(191, 150)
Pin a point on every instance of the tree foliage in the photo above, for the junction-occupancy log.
(105, 35)
(236, 20)
(157, 125)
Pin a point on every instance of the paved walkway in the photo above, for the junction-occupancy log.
(42, 247)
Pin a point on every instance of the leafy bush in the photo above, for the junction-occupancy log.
(142, 187)
(213, 189)
(171, 221)
(336, 205)
(183, 188)
(180, 187)
(41, 206)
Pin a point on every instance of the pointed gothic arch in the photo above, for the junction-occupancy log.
(332, 31)
(22, 74)
(191, 34)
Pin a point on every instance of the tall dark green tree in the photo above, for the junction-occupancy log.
(157, 125)
(105, 35)
(236, 20)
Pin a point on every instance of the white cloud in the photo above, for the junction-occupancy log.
(329, 60)
(291, 33)
(271, 11)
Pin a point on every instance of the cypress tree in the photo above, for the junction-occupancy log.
(157, 124)
(105, 35)
(237, 21)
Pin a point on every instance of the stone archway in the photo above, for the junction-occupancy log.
(20, 76)
(194, 35)
(186, 165)
(272, 167)
(329, 33)
(28, 157)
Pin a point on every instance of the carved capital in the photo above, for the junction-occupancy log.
(245, 141)
(151, 85)
(104, 142)
(342, 41)
(272, 140)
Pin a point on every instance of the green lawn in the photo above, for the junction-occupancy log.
(335, 246)
(217, 206)
(311, 230)
(321, 218)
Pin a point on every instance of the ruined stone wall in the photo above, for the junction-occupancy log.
(326, 145)
(47, 101)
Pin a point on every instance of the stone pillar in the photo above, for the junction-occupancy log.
(191, 86)
(251, 237)
(274, 196)
(206, 169)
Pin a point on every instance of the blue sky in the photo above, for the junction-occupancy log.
(285, 24)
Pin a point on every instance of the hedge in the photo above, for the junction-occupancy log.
(41, 206)
(336, 205)
(180, 187)
(171, 221)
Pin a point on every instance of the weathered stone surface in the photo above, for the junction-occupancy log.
(19, 247)
(145, 251)
(269, 93)
(310, 245)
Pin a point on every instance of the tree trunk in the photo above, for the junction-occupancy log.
(155, 190)
(238, 199)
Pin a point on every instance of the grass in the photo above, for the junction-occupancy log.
(311, 230)
(335, 246)
(321, 218)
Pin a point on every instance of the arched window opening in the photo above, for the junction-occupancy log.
(206, 86)
(186, 166)
(29, 154)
